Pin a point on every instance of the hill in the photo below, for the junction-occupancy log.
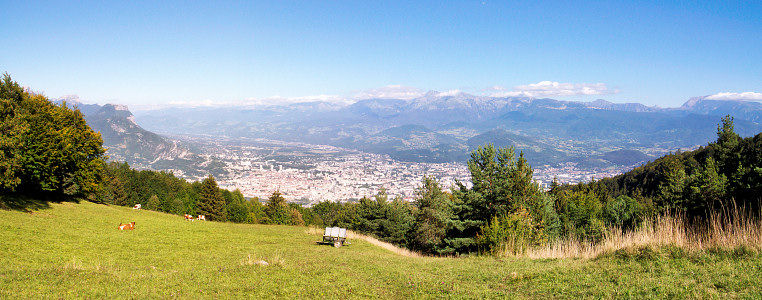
(534, 151)
(75, 251)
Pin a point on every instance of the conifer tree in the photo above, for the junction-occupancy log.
(153, 203)
(432, 215)
(211, 203)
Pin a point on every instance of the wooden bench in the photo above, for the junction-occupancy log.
(335, 235)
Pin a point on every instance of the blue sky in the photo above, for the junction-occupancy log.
(144, 53)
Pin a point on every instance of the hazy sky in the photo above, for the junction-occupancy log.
(143, 53)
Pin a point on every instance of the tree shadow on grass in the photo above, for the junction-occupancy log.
(27, 203)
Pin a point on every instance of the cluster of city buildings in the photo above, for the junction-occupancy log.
(308, 174)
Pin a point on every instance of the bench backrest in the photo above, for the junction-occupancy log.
(335, 232)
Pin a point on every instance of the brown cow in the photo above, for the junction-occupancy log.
(201, 218)
(128, 226)
(188, 217)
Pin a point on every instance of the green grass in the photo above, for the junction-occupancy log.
(74, 250)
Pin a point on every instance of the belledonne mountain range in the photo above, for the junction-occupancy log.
(432, 128)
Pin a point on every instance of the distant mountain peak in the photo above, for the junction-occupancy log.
(121, 107)
(450, 93)
(634, 107)
(70, 99)
(692, 102)
(601, 102)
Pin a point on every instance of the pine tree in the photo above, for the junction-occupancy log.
(671, 190)
(707, 189)
(211, 203)
(504, 182)
(432, 215)
(398, 221)
(153, 203)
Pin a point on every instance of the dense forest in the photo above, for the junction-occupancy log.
(48, 151)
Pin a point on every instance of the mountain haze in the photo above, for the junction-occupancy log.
(440, 127)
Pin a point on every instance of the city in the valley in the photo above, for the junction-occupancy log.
(307, 174)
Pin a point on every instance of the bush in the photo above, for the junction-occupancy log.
(623, 212)
(580, 213)
(511, 234)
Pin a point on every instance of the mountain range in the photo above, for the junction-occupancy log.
(444, 128)
(431, 128)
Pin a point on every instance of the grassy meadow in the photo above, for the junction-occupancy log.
(74, 250)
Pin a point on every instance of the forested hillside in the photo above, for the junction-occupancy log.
(722, 174)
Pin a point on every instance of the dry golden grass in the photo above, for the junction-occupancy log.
(726, 230)
(371, 240)
(382, 244)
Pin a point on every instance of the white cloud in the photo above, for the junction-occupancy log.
(496, 88)
(552, 89)
(202, 103)
(279, 100)
(449, 93)
(273, 100)
(390, 92)
(736, 96)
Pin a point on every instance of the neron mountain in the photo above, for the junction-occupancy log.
(127, 142)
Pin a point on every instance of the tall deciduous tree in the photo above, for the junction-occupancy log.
(46, 147)
(211, 203)
(12, 129)
(237, 207)
(277, 210)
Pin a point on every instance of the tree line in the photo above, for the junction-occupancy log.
(162, 191)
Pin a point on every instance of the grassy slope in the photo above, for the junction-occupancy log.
(75, 251)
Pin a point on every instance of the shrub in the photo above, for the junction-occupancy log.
(511, 234)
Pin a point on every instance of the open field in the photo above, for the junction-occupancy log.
(75, 251)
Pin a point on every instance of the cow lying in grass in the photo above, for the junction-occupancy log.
(128, 226)
(137, 206)
(188, 217)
